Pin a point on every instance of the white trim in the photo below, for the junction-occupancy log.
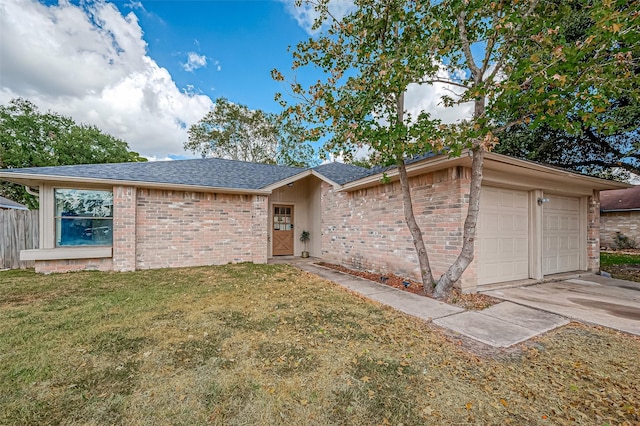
(66, 253)
(500, 165)
(535, 235)
(413, 169)
(300, 176)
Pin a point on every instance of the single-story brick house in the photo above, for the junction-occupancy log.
(619, 214)
(534, 220)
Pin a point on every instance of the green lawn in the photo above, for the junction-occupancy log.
(621, 265)
(267, 345)
(613, 258)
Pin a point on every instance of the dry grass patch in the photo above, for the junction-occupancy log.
(250, 344)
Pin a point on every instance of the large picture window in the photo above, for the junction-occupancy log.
(83, 217)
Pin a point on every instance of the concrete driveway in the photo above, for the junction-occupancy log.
(591, 299)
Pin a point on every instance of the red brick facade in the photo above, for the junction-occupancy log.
(593, 232)
(124, 228)
(362, 229)
(626, 223)
(155, 228)
(177, 229)
(366, 229)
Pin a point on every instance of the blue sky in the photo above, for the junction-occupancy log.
(243, 39)
(144, 71)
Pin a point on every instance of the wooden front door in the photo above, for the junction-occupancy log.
(282, 230)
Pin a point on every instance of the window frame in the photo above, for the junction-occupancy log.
(58, 219)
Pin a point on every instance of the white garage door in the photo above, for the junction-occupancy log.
(561, 235)
(503, 235)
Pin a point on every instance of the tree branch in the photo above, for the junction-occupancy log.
(466, 47)
(440, 80)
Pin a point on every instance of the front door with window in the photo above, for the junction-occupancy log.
(282, 230)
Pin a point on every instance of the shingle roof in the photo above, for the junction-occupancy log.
(620, 199)
(341, 173)
(6, 203)
(208, 172)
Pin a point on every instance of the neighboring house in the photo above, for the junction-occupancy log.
(620, 216)
(534, 220)
(7, 204)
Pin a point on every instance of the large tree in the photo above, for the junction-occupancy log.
(235, 132)
(30, 138)
(488, 52)
(590, 151)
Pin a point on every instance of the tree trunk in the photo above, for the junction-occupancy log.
(410, 218)
(457, 268)
(416, 233)
(455, 271)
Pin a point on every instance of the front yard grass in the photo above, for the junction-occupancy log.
(267, 344)
(622, 265)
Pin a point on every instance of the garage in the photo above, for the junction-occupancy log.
(503, 235)
(560, 235)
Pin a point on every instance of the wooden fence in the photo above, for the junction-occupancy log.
(18, 231)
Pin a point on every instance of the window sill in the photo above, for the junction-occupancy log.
(66, 253)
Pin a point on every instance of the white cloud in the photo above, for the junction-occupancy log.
(90, 62)
(306, 14)
(428, 97)
(194, 61)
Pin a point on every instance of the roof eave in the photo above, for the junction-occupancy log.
(419, 167)
(596, 183)
(299, 176)
(6, 206)
(436, 162)
(32, 179)
(636, 209)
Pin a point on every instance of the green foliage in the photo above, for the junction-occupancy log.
(512, 59)
(30, 138)
(235, 132)
(611, 148)
(509, 59)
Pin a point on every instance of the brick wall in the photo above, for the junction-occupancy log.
(627, 223)
(593, 232)
(124, 228)
(175, 228)
(366, 229)
(259, 230)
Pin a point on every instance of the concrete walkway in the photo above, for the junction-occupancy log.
(501, 325)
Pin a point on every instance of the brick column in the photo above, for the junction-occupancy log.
(593, 232)
(259, 230)
(124, 228)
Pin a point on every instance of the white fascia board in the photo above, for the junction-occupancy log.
(423, 166)
(286, 181)
(299, 176)
(594, 182)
